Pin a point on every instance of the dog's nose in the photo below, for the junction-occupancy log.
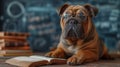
(72, 21)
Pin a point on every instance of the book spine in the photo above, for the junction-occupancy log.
(20, 54)
(16, 48)
(13, 34)
(12, 40)
(15, 51)
(13, 44)
(2, 34)
(13, 37)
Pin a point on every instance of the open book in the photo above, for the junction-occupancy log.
(33, 61)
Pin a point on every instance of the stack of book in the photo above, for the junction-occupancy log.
(14, 44)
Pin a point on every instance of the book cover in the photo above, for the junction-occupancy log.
(13, 34)
(16, 48)
(12, 40)
(14, 37)
(15, 51)
(34, 61)
(13, 55)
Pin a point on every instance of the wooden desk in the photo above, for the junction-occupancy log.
(101, 63)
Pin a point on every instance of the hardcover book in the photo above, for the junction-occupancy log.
(34, 61)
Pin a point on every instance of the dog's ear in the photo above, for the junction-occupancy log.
(93, 11)
(62, 9)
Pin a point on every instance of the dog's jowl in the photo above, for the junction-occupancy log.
(79, 41)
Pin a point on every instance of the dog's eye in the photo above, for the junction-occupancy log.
(81, 15)
(66, 15)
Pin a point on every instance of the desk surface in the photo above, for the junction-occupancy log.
(101, 63)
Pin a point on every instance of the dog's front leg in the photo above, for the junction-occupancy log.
(57, 53)
(82, 56)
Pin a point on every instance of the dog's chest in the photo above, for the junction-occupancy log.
(70, 50)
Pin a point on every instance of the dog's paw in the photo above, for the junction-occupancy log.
(75, 60)
(55, 54)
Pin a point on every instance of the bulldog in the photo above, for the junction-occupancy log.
(79, 41)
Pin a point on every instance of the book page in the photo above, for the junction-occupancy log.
(41, 57)
(29, 59)
(45, 58)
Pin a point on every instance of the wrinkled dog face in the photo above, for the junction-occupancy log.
(73, 19)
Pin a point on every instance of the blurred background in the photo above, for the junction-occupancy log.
(40, 19)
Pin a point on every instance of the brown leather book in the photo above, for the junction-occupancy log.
(12, 40)
(14, 34)
(13, 44)
(34, 61)
(15, 52)
(20, 54)
(16, 48)
(13, 37)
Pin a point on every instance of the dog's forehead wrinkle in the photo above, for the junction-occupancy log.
(76, 9)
